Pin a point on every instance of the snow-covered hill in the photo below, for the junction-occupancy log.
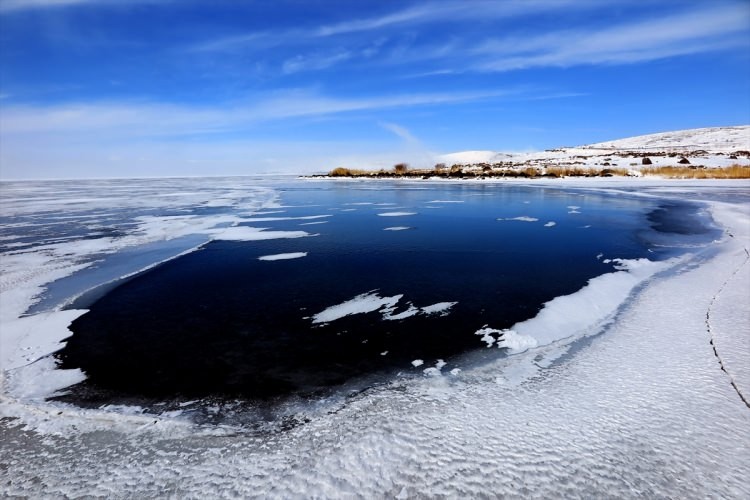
(716, 139)
(707, 147)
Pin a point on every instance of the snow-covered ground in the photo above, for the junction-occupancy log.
(645, 399)
(707, 147)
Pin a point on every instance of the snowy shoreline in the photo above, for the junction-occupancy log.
(652, 413)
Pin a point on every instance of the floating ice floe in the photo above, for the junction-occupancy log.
(396, 214)
(396, 228)
(276, 219)
(435, 371)
(284, 256)
(522, 218)
(371, 302)
(268, 212)
(245, 233)
(550, 224)
(388, 313)
(361, 304)
(441, 308)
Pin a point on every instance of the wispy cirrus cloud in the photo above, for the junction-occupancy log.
(419, 14)
(132, 118)
(691, 32)
(400, 131)
(20, 5)
(315, 62)
(452, 11)
(680, 31)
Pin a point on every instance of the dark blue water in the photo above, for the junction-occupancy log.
(220, 322)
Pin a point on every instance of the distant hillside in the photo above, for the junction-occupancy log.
(715, 139)
(718, 152)
(706, 147)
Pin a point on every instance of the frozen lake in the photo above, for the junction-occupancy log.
(385, 280)
(447, 338)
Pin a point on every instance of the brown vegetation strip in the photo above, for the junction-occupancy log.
(465, 171)
(731, 172)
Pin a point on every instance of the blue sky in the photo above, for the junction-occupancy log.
(116, 88)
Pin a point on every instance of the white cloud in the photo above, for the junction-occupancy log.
(107, 154)
(430, 12)
(451, 11)
(11, 5)
(18, 5)
(143, 119)
(687, 33)
(688, 30)
(315, 62)
(400, 131)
